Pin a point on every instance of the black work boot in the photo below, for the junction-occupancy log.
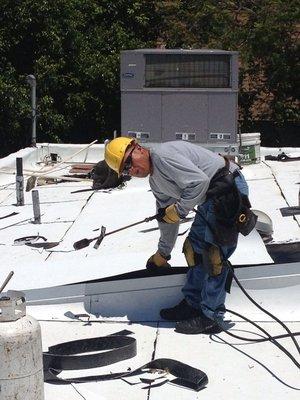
(200, 324)
(180, 312)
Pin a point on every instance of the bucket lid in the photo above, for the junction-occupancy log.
(252, 135)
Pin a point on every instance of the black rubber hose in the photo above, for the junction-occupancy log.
(271, 338)
(262, 309)
(262, 339)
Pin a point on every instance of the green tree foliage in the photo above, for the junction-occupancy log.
(73, 49)
(265, 32)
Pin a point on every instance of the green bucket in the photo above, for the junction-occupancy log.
(249, 152)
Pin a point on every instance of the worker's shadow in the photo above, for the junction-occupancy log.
(139, 309)
(136, 299)
(89, 320)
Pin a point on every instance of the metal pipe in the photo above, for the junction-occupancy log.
(36, 207)
(32, 82)
(19, 182)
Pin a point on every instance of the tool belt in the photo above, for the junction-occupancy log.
(232, 209)
(118, 347)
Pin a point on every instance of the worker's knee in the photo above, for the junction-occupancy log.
(212, 260)
(188, 251)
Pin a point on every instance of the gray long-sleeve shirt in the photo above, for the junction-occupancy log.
(181, 174)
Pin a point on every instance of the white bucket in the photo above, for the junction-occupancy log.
(249, 148)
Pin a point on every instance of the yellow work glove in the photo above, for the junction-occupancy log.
(157, 260)
(168, 214)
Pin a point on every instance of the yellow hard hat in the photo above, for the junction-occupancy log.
(115, 152)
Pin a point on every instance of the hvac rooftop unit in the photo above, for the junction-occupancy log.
(180, 95)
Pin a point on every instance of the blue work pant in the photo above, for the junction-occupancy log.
(204, 292)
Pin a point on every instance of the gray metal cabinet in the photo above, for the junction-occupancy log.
(180, 95)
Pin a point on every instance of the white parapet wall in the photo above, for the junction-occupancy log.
(35, 158)
(91, 154)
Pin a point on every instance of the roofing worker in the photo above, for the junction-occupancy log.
(183, 175)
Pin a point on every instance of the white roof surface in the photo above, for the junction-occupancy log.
(235, 369)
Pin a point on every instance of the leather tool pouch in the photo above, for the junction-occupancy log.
(232, 210)
(246, 220)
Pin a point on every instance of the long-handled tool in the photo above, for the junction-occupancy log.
(80, 244)
(9, 215)
(8, 278)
